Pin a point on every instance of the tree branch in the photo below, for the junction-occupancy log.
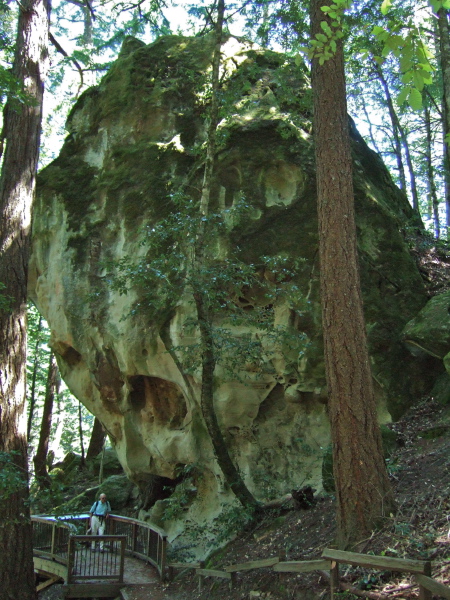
(61, 50)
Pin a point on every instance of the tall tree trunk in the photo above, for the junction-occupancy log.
(433, 200)
(40, 458)
(32, 398)
(230, 472)
(22, 126)
(363, 490)
(97, 440)
(444, 62)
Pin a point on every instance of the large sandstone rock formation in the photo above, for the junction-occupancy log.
(133, 141)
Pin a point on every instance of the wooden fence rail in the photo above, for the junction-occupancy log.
(330, 562)
(385, 563)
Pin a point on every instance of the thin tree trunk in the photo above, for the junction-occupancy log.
(102, 465)
(444, 61)
(97, 440)
(433, 201)
(363, 492)
(412, 175)
(394, 124)
(32, 399)
(230, 472)
(40, 458)
(21, 131)
(80, 430)
(369, 122)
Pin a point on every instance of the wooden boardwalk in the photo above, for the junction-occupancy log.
(134, 555)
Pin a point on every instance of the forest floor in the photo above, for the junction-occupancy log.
(420, 473)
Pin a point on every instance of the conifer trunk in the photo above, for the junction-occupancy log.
(21, 132)
(363, 491)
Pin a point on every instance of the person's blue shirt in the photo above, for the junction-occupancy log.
(100, 508)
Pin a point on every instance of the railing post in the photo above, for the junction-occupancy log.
(162, 544)
(425, 594)
(123, 543)
(70, 557)
(52, 546)
(134, 534)
(334, 578)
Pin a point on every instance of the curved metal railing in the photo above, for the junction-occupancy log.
(51, 536)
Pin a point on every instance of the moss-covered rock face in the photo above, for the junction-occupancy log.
(134, 142)
(429, 331)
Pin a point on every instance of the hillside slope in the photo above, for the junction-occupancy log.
(420, 473)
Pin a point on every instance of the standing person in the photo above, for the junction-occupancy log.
(99, 513)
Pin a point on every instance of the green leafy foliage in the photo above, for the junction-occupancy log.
(323, 45)
(415, 59)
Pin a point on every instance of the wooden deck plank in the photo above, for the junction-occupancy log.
(89, 590)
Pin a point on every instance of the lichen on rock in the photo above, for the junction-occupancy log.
(135, 143)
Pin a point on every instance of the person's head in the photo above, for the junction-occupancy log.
(102, 497)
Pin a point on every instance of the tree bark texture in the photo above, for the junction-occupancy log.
(97, 440)
(22, 124)
(40, 458)
(363, 490)
(444, 61)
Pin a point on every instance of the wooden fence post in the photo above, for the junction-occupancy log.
(425, 594)
(334, 578)
(162, 542)
(123, 543)
(70, 557)
(52, 547)
(135, 535)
